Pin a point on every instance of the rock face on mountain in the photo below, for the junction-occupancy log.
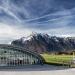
(41, 43)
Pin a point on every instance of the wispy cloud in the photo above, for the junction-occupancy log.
(8, 32)
(21, 17)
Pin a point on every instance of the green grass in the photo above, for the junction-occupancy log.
(57, 59)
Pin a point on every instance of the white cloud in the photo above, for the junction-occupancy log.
(61, 31)
(9, 33)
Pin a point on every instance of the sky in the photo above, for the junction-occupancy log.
(19, 18)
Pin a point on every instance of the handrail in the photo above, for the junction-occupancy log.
(23, 50)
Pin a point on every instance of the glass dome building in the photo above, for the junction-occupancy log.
(17, 56)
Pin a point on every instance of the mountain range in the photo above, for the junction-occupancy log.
(42, 43)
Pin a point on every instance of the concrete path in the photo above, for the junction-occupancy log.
(39, 70)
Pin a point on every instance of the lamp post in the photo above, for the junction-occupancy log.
(73, 58)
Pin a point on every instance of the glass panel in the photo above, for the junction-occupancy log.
(10, 57)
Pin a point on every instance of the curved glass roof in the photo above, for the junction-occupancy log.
(16, 56)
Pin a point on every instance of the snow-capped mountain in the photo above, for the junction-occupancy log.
(44, 43)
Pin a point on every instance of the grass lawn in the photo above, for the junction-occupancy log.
(57, 59)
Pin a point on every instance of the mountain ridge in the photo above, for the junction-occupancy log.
(42, 43)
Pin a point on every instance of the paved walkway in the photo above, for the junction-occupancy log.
(39, 70)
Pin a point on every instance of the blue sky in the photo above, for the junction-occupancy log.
(20, 18)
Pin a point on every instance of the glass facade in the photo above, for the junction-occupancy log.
(14, 57)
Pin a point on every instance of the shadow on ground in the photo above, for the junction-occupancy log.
(34, 68)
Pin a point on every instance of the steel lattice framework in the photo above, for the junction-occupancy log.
(17, 56)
